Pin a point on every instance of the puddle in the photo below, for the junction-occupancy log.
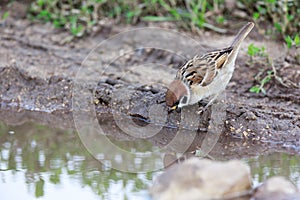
(48, 163)
(279, 164)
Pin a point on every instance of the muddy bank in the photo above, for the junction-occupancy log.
(125, 79)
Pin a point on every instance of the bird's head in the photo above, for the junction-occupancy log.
(177, 95)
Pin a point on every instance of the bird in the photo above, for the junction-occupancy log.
(205, 76)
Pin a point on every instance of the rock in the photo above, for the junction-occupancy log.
(277, 188)
(202, 179)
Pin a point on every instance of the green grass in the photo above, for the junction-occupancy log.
(267, 69)
(5, 15)
(264, 76)
(256, 51)
(80, 16)
(284, 15)
(260, 87)
(292, 42)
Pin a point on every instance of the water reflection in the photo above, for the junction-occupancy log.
(46, 163)
(279, 164)
(36, 161)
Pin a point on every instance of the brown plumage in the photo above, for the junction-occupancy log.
(176, 91)
(205, 75)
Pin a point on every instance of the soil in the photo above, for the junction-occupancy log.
(42, 70)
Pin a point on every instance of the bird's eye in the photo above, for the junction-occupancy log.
(184, 100)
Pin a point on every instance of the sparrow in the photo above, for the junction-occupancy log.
(205, 76)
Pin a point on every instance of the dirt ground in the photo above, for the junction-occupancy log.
(41, 71)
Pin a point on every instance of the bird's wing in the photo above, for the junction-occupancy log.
(202, 70)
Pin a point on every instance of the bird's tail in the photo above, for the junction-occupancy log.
(242, 34)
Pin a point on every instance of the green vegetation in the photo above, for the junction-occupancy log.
(262, 81)
(256, 51)
(5, 16)
(290, 42)
(80, 16)
(260, 58)
(283, 14)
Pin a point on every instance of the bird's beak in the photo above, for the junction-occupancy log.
(174, 107)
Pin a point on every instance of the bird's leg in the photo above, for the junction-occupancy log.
(208, 103)
(211, 101)
(202, 102)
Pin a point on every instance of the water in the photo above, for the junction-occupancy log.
(280, 164)
(38, 162)
(41, 162)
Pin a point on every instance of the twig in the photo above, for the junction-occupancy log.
(214, 28)
(278, 78)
